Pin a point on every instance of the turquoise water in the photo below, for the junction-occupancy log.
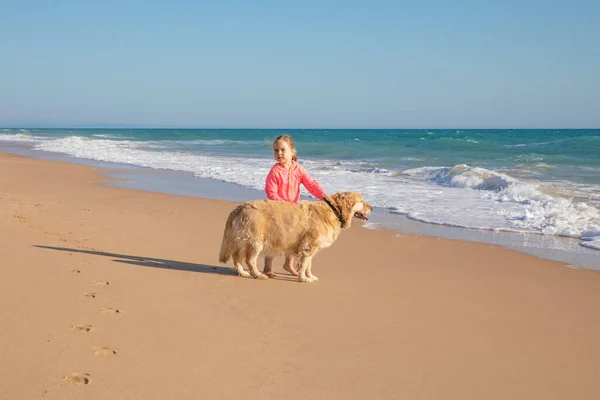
(542, 182)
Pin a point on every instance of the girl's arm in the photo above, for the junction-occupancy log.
(272, 186)
(312, 185)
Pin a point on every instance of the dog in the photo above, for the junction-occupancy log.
(282, 228)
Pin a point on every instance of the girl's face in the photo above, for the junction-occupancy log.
(283, 153)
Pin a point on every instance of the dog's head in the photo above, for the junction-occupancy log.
(349, 204)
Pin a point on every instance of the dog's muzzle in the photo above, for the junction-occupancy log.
(360, 215)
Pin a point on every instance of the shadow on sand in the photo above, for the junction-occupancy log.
(157, 262)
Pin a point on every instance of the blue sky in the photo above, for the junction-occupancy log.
(311, 64)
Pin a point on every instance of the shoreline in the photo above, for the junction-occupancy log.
(393, 315)
(556, 248)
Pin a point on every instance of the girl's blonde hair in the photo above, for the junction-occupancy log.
(288, 139)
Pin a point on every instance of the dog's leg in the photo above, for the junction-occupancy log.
(309, 274)
(251, 261)
(306, 253)
(304, 266)
(237, 263)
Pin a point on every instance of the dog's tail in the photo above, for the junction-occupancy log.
(228, 244)
(226, 249)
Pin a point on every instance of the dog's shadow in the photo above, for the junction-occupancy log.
(155, 262)
(150, 261)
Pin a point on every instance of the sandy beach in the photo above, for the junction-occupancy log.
(121, 292)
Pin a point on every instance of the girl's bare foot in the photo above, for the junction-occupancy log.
(290, 269)
(268, 269)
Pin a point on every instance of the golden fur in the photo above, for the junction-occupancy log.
(282, 228)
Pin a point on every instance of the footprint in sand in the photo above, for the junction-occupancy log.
(74, 270)
(81, 328)
(103, 351)
(101, 283)
(109, 311)
(89, 295)
(79, 379)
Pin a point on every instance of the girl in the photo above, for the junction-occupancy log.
(283, 183)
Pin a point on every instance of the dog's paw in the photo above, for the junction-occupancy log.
(261, 276)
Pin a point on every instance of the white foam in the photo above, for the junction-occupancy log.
(19, 137)
(591, 240)
(590, 235)
(535, 144)
(209, 142)
(595, 244)
(111, 136)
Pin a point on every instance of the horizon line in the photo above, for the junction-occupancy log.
(100, 126)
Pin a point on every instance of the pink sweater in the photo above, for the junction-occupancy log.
(284, 185)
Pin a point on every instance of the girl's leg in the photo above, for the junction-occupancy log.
(268, 269)
(288, 265)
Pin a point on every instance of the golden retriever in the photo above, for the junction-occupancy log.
(282, 228)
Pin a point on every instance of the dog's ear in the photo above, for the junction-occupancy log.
(345, 202)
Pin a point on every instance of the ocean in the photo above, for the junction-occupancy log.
(536, 191)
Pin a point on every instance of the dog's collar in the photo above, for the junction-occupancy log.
(337, 212)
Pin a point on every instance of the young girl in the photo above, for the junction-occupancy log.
(283, 183)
